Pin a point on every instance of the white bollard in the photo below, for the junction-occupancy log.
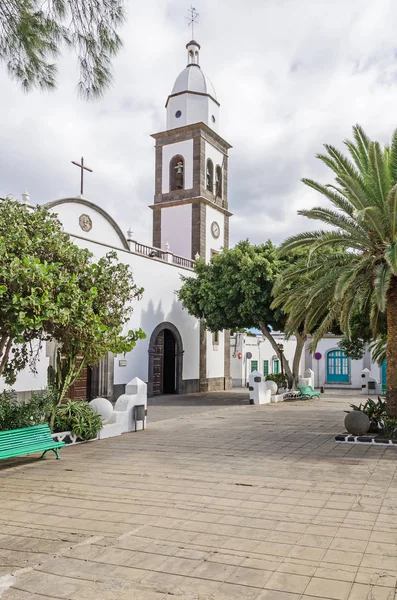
(259, 394)
(365, 375)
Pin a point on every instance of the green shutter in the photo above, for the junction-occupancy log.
(265, 368)
(254, 365)
(276, 366)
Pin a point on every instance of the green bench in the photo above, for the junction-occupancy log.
(308, 392)
(27, 440)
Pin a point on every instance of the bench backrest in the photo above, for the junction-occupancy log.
(305, 389)
(24, 437)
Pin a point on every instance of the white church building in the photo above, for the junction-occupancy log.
(190, 208)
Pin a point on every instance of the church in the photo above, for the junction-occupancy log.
(190, 209)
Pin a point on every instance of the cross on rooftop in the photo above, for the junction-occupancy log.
(83, 168)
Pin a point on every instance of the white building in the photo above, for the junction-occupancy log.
(331, 368)
(191, 218)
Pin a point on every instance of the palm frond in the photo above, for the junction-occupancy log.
(378, 177)
(381, 284)
(336, 198)
(355, 154)
(300, 240)
(391, 257)
(392, 202)
(378, 349)
(338, 220)
(345, 166)
(393, 158)
(362, 144)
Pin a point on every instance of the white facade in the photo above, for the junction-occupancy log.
(176, 233)
(332, 370)
(262, 355)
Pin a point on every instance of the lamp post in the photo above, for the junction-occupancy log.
(281, 350)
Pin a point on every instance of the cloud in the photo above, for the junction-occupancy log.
(290, 76)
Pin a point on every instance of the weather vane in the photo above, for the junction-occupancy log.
(192, 18)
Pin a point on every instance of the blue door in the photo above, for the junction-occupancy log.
(383, 377)
(338, 367)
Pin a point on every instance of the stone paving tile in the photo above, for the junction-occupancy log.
(328, 589)
(287, 582)
(254, 503)
(370, 592)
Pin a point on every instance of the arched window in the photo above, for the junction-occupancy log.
(177, 173)
(210, 175)
(218, 181)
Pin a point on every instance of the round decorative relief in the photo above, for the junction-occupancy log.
(178, 114)
(213, 118)
(215, 229)
(85, 222)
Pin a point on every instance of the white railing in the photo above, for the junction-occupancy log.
(158, 254)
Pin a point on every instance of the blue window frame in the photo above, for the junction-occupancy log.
(265, 368)
(383, 377)
(276, 367)
(338, 367)
(254, 365)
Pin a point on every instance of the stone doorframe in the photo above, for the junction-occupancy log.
(178, 356)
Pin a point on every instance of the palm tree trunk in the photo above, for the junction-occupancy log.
(391, 353)
(300, 344)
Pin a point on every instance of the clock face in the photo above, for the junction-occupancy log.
(215, 229)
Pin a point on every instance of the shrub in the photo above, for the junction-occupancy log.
(79, 418)
(389, 427)
(15, 414)
(279, 378)
(375, 411)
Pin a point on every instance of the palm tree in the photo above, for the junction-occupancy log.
(362, 274)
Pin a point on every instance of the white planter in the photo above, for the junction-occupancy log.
(69, 438)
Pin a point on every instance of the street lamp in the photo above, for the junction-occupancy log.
(281, 350)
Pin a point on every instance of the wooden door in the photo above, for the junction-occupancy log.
(78, 391)
(158, 364)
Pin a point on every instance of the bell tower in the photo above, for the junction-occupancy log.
(190, 210)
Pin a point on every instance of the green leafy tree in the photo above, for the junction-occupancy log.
(52, 290)
(234, 291)
(97, 314)
(33, 33)
(363, 221)
(36, 262)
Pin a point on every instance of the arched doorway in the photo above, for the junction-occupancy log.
(165, 360)
(338, 367)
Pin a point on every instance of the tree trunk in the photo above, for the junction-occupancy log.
(391, 353)
(63, 377)
(300, 344)
(4, 352)
(286, 368)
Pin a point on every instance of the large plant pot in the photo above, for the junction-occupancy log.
(357, 422)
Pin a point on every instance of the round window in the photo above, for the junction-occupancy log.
(213, 119)
(178, 114)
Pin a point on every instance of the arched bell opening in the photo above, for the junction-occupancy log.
(177, 173)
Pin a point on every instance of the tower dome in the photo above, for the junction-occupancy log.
(193, 98)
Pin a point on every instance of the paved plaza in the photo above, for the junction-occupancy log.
(224, 502)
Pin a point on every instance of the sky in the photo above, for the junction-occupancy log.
(290, 75)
